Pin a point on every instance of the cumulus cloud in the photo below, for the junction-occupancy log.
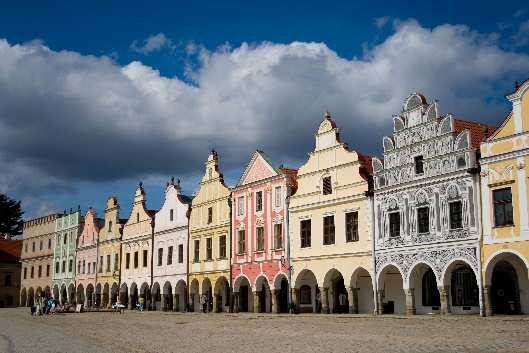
(521, 37)
(67, 117)
(152, 44)
(380, 22)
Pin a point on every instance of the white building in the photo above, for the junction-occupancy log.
(426, 206)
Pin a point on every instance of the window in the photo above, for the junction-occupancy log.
(502, 199)
(260, 238)
(328, 230)
(181, 254)
(8, 280)
(351, 226)
(419, 165)
(49, 244)
(278, 236)
(136, 259)
(456, 215)
(25, 272)
(33, 247)
(63, 268)
(160, 256)
(89, 267)
(116, 262)
(171, 214)
(327, 186)
(170, 255)
(108, 263)
(100, 268)
(78, 267)
(48, 270)
(32, 271)
(26, 247)
(94, 267)
(210, 215)
(65, 238)
(240, 206)
(40, 271)
(259, 201)
(305, 233)
(137, 217)
(144, 258)
(241, 242)
(209, 248)
(127, 260)
(305, 295)
(222, 246)
(57, 267)
(278, 196)
(41, 246)
(109, 226)
(84, 266)
(394, 224)
(70, 265)
(197, 251)
(430, 293)
(423, 220)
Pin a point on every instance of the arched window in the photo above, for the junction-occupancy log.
(305, 295)
(430, 293)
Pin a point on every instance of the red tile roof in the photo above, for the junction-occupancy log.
(478, 132)
(10, 250)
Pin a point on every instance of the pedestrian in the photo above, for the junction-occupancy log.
(203, 301)
(142, 303)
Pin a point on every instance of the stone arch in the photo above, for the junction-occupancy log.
(114, 293)
(221, 300)
(391, 295)
(80, 294)
(156, 296)
(242, 289)
(71, 293)
(263, 295)
(194, 295)
(90, 295)
(180, 296)
(280, 293)
(167, 296)
(207, 294)
(334, 298)
(56, 294)
(63, 294)
(361, 284)
(38, 291)
(23, 297)
(506, 283)
(306, 298)
(105, 296)
(133, 295)
(99, 295)
(145, 293)
(47, 291)
(460, 277)
(31, 296)
(423, 282)
(124, 294)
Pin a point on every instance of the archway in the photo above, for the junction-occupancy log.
(156, 297)
(243, 295)
(306, 293)
(105, 302)
(23, 297)
(80, 294)
(114, 294)
(222, 295)
(505, 292)
(47, 291)
(145, 293)
(281, 294)
(39, 292)
(464, 291)
(98, 296)
(90, 295)
(264, 303)
(194, 296)
(423, 282)
(124, 295)
(133, 296)
(56, 293)
(31, 296)
(363, 301)
(71, 293)
(180, 298)
(208, 293)
(392, 296)
(167, 299)
(337, 300)
(64, 294)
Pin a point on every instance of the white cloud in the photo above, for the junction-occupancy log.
(152, 43)
(380, 22)
(521, 37)
(66, 117)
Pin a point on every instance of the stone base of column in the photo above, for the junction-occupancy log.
(380, 302)
(275, 302)
(410, 302)
(487, 301)
(443, 297)
(256, 302)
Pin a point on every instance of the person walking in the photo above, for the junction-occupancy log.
(203, 301)
(142, 303)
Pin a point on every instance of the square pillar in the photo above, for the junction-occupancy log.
(216, 303)
(129, 305)
(352, 297)
(175, 305)
(294, 305)
(443, 296)
(410, 301)
(380, 301)
(235, 302)
(324, 300)
(275, 301)
(488, 301)
(256, 302)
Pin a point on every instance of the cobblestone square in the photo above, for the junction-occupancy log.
(171, 332)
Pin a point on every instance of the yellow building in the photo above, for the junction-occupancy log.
(209, 241)
(504, 188)
(109, 249)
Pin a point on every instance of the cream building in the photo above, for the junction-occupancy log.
(109, 249)
(330, 237)
(504, 193)
(136, 253)
(209, 241)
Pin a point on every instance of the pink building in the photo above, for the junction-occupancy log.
(87, 264)
(259, 266)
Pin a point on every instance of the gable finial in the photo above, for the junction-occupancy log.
(141, 184)
(327, 115)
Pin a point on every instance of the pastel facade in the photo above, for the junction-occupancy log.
(330, 218)
(504, 187)
(169, 289)
(37, 258)
(10, 271)
(109, 249)
(209, 241)
(136, 253)
(259, 259)
(87, 253)
(427, 213)
(68, 227)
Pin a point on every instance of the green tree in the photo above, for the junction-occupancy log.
(11, 222)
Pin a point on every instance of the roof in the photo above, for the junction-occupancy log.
(10, 250)
(185, 198)
(478, 132)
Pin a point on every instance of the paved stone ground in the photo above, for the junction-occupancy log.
(173, 332)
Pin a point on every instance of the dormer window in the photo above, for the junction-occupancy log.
(138, 217)
(109, 226)
(327, 186)
(171, 214)
(210, 215)
(419, 165)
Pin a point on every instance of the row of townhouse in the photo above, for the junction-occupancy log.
(438, 225)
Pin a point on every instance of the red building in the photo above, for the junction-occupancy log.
(10, 269)
(259, 265)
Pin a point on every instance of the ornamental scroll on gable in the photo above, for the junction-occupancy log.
(328, 134)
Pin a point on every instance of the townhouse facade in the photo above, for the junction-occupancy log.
(10, 271)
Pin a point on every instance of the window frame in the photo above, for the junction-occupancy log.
(241, 242)
(351, 227)
(329, 230)
(420, 220)
(507, 221)
(451, 215)
(259, 201)
(305, 233)
(259, 239)
(392, 234)
(326, 185)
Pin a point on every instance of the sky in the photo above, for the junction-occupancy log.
(97, 96)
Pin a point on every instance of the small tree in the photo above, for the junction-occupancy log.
(11, 223)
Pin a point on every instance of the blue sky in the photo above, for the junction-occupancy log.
(157, 84)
